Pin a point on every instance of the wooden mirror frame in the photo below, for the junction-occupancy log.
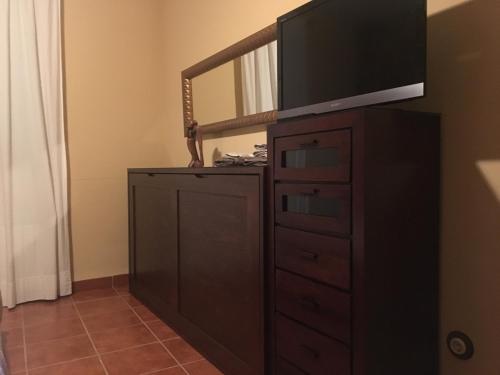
(249, 44)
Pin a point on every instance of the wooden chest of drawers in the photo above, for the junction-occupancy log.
(353, 260)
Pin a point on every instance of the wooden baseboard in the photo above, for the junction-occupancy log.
(100, 283)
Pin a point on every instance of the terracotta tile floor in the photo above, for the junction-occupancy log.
(94, 332)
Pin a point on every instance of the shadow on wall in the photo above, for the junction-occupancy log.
(464, 86)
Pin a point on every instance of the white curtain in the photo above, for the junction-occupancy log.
(34, 238)
(260, 79)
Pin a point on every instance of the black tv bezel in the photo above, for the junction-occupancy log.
(397, 94)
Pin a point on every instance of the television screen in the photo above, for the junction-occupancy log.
(339, 54)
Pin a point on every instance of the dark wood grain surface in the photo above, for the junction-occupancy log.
(197, 258)
(310, 351)
(319, 257)
(325, 309)
(286, 368)
(389, 241)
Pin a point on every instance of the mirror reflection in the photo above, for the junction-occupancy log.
(244, 86)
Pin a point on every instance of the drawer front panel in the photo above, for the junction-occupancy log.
(322, 156)
(324, 208)
(320, 307)
(311, 352)
(326, 259)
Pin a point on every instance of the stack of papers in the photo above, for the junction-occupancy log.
(257, 159)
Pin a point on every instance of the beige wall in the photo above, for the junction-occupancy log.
(124, 109)
(114, 61)
(123, 60)
(464, 85)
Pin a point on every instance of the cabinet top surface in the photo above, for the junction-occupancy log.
(207, 170)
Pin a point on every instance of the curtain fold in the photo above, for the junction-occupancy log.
(260, 80)
(34, 235)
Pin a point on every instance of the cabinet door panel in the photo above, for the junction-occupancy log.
(219, 262)
(154, 260)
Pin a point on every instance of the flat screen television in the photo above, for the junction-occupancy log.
(340, 54)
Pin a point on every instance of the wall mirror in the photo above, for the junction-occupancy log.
(235, 88)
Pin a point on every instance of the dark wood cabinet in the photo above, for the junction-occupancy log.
(196, 258)
(353, 243)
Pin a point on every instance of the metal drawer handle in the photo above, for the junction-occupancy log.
(311, 351)
(151, 174)
(313, 144)
(200, 176)
(309, 255)
(309, 303)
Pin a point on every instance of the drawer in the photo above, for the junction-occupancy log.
(326, 259)
(325, 309)
(324, 156)
(285, 368)
(311, 352)
(323, 208)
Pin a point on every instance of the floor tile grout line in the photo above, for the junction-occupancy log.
(157, 371)
(140, 324)
(117, 294)
(49, 322)
(97, 354)
(90, 338)
(195, 361)
(24, 342)
(86, 333)
(129, 348)
(159, 341)
(104, 353)
(58, 339)
(24, 328)
(88, 316)
(61, 363)
(95, 299)
(173, 338)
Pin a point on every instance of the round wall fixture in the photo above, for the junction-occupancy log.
(460, 345)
